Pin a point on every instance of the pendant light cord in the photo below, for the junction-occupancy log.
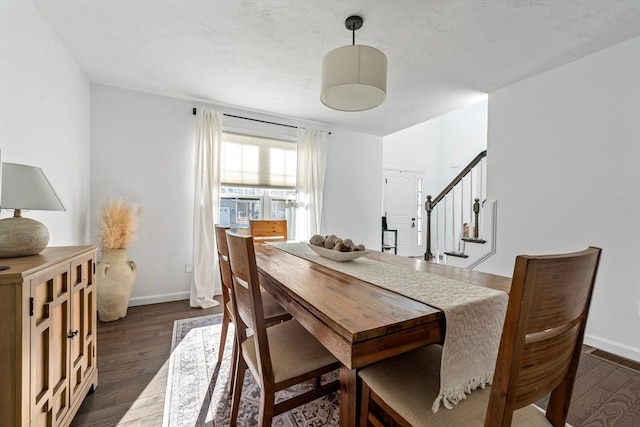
(353, 23)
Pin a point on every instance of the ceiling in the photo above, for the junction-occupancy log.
(266, 55)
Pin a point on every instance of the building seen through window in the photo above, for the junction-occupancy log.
(239, 205)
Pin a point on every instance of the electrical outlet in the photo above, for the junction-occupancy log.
(188, 267)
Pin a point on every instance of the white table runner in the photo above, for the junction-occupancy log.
(474, 316)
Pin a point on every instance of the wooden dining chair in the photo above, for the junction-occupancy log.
(539, 352)
(274, 313)
(268, 230)
(279, 356)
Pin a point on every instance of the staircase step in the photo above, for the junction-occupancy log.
(472, 240)
(457, 254)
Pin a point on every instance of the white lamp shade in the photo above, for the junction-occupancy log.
(354, 78)
(26, 187)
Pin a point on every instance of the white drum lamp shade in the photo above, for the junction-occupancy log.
(354, 78)
(25, 187)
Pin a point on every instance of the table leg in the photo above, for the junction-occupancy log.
(348, 397)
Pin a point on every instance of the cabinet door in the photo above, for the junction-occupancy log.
(83, 325)
(49, 323)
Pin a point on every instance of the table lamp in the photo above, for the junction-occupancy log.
(25, 188)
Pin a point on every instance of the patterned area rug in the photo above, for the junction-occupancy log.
(197, 384)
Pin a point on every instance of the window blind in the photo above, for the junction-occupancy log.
(253, 161)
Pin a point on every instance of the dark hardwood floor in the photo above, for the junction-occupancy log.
(133, 356)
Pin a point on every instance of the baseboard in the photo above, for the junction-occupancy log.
(155, 299)
(621, 350)
(175, 296)
(613, 358)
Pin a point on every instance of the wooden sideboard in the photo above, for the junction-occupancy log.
(48, 335)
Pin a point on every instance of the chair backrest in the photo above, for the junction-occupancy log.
(247, 299)
(223, 261)
(269, 230)
(542, 335)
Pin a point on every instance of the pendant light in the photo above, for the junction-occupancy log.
(354, 78)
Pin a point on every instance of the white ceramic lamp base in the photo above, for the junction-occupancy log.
(22, 237)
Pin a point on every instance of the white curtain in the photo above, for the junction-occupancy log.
(206, 209)
(312, 164)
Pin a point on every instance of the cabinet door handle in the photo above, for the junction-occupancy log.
(72, 334)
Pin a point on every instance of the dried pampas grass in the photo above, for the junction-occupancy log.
(118, 222)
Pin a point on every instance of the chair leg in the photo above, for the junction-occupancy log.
(364, 405)
(318, 381)
(223, 334)
(267, 402)
(241, 368)
(232, 370)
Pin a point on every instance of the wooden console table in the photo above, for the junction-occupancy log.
(47, 335)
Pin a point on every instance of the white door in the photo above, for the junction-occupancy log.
(403, 209)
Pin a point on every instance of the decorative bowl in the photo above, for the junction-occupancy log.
(337, 255)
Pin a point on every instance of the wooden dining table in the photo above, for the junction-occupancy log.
(358, 322)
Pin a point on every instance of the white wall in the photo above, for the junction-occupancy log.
(440, 147)
(44, 116)
(353, 188)
(564, 165)
(142, 147)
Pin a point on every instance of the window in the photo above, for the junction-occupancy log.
(253, 161)
(258, 180)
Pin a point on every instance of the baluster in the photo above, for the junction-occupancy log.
(453, 219)
(483, 165)
(437, 233)
(444, 226)
(460, 241)
(482, 193)
(428, 256)
(471, 189)
(476, 211)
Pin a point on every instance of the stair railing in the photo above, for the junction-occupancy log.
(474, 192)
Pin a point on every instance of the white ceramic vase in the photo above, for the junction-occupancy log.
(115, 278)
